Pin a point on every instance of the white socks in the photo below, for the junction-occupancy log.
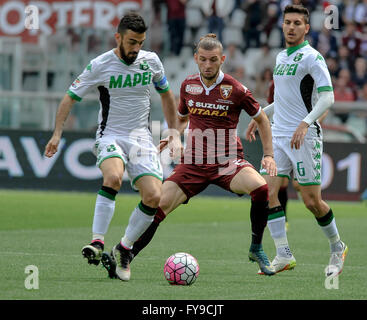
(138, 223)
(103, 214)
(331, 232)
(140, 219)
(276, 225)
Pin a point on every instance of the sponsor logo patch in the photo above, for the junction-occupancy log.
(195, 89)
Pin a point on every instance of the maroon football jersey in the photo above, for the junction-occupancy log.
(213, 117)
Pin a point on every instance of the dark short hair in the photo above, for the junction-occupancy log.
(297, 8)
(209, 42)
(132, 21)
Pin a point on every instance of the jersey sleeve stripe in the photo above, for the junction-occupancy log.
(183, 115)
(162, 90)
(325, 88)
(73, 95)
(257, 113)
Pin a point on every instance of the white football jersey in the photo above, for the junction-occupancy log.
(124, 90)
(299, 75)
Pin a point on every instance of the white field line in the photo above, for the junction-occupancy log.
(152, 258)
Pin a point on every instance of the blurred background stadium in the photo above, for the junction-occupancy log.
(38, 65)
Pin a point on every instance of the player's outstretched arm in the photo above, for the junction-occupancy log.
(252, 126)
(61, 115)
(325, 101)
(169, 109)
(170, 113)
(182, 124)
(264, 128)
(250, 131)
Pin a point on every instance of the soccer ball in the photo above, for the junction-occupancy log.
(181, 269)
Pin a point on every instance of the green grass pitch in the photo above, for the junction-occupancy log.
(48, 229)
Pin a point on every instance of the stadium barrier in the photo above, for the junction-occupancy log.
(23, 166)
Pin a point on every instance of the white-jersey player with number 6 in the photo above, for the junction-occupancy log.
(123, 139)
(303, 92)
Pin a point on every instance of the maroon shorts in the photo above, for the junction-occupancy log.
(193, 179)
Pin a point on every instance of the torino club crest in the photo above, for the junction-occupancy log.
(225, 91)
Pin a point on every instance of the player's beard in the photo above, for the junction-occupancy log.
(129, 59)
(210, 78)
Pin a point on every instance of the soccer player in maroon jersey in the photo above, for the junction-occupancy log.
(211, 102)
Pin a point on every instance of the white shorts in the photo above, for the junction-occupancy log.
(139, 154)
(304, 162)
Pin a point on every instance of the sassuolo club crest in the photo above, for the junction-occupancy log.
(298, 57)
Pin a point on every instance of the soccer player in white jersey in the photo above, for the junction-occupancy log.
(301, 77)
(123, 139)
